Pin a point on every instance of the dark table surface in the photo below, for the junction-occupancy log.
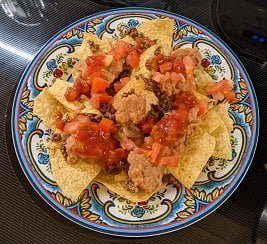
(25, 217)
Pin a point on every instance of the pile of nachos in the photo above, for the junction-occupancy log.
(137, 116)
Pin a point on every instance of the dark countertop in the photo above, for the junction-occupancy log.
(26, 218)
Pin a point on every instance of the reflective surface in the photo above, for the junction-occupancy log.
(20, 38)
(243, 24)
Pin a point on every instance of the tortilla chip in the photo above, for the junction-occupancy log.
(45, 107)
(142, 69)
(139, 86)
(58, 90)
(222, 110)
(129, 40)
(72, 178)
(223, 147)
(202, 79)
(116, 183)
(197, 153)
(85, 49)
(161, 30)
(210, 121)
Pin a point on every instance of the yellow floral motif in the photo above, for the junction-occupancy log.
(83, 204)
(180, 33)
(195, 197)
(90, 27)
(210, 70)
(27, 113)
(239, 105)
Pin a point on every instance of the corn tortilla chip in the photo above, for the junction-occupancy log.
(202, 79)
(197, 153)
(72, 178)
(222, 110)
(142, 69)
(116, 183)
(45, 107)
(85, 49)
(223, 147)
(210, 121)
(58, 90)
(161, 30)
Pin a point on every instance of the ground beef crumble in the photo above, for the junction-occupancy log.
(93, 46)
(170, 179)
(165, 102)
(56, 137)
(117, 167)
(132, 32)
(63, 148)
(130, 186)
(94, 117)
(108, 111)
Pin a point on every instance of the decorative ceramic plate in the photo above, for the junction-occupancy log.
(97, 208)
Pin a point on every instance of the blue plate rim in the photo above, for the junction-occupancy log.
(129, 232)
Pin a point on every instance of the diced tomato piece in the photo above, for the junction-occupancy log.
(106, 125)
(104, 97)
(147, 126)
(188, 64)
(230, 96)
(185, 99)
(71, 127)
(202, 107)
(158, 77)
(153, 62)
(177, 76)
(71, 94)
(165, 67)
(96, 60)
(94, 64)
(60, 124)
(121, 83)
(99, 85)
(139, 42)
(121, 50)
(98, 98)
(178, 66)
(133, 59)
(171, 161)
(82, 86)
(221, 86)
(125, 80)
(95, 101)
(156, 148)
(118, 86)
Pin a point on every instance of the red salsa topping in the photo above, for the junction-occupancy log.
(93, 140)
